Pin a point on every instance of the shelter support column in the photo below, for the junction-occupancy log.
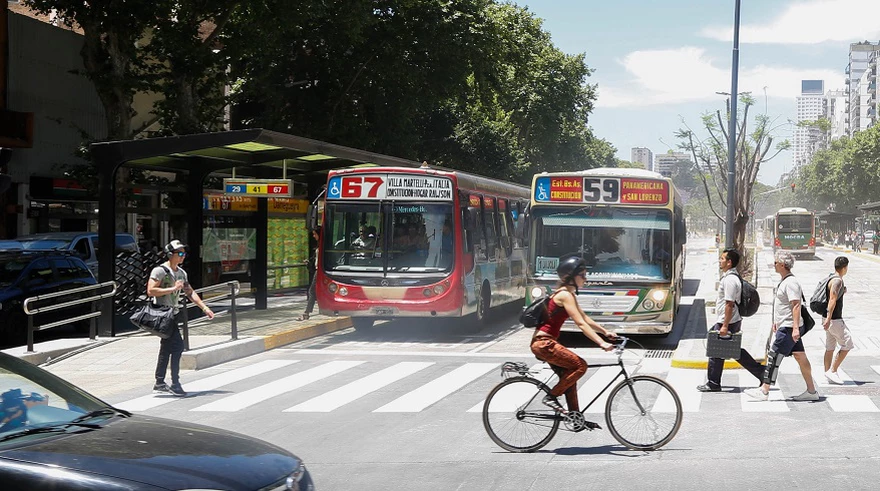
(107, 244)
(260, 271)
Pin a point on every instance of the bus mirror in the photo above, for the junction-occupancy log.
(312, 217)
(467, 219)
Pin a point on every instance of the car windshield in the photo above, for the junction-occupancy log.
(10, 270)
(628, 243)
(795, 223)
(45, 244)
(377, 237)
(32, 398)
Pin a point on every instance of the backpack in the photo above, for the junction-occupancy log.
(536, 313)
(819, 300)
(750, 301)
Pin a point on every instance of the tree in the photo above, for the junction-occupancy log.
(710, 151)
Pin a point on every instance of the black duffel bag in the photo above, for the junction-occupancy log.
(157, 320)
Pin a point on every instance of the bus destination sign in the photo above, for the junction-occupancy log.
(601, 190)
(390, 186)
(258, 188)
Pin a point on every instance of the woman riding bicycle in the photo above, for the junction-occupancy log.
(569, 367)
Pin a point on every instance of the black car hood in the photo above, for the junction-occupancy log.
(164, 453)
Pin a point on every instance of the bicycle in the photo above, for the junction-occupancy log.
(642, 412)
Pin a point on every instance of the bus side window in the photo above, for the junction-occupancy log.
(478, 239)
(505, 225)
(490, 231)
(467, 228)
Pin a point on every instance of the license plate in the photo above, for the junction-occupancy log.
(383, 310)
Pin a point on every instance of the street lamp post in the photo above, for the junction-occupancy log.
(731, 144)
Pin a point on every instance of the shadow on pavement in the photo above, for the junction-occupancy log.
(689, 287)
(618, 450)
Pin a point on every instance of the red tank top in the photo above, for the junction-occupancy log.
(555, 318)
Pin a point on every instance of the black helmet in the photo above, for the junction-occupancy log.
(569, 267)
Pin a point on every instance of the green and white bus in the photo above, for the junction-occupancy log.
(795, 232)
(628, 225)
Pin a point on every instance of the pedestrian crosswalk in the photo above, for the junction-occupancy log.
(379, 385)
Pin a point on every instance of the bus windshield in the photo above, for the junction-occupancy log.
(795, 223)
(386, 237)
(617, 243)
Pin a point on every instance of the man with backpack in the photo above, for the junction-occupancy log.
(729, 321)
(837, 334)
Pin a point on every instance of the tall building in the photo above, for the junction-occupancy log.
(810, 107)
(665, 163)
(861, 74)
(643, 156)
(836, 113)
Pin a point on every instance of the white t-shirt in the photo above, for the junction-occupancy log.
(787, 291)
(729, 290)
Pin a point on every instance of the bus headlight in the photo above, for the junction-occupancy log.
(659, 296)
(537, 292)
(426, 292)
(332, 287)
(438, 289)
(343, 291)
(648, 304)
(655, 300)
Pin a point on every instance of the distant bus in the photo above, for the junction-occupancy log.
(767, 230)
(795, 232)
(628, 225)
(417, 243)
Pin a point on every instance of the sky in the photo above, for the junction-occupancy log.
(659, 63)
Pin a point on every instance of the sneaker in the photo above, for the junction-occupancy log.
(553, 404)
(177, 390)
(833, 378)
(708, 388)
(757, 394)
(807, 396)
(161, 388)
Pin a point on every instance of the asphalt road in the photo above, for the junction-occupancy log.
(398, 408)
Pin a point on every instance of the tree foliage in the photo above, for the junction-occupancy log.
(709, 148)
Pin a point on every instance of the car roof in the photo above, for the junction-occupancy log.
(63, 235)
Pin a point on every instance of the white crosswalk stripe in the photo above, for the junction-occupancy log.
(446, 380)
(359, 388)
(280, 386)
(437, 389)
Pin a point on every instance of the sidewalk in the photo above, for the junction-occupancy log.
(691, 351)
(130, 358)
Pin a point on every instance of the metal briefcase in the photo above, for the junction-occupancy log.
(718, 347)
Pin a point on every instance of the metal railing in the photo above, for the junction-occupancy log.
(234, 288)
(71, 303)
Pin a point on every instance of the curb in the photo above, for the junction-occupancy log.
(198, 359)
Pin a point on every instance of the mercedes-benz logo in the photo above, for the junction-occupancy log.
(597, 303)
(384, 282)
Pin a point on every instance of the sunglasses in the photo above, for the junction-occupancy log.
(181, 253)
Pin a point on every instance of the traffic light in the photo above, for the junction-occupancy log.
(792, 187)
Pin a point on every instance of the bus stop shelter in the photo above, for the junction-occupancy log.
(252, 153)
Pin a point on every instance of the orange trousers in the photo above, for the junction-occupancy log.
(568, 366)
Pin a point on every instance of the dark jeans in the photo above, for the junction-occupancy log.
(310, 298)
(716, 365)
(171, 350)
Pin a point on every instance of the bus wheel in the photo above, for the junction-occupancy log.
(362, 323)
(484, 304)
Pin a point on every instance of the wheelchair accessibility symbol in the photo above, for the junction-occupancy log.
(542, 193)
(334, 191)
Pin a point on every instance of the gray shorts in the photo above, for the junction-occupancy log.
(838, 335)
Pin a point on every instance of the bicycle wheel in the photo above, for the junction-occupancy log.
(644, 413)
(516, 419)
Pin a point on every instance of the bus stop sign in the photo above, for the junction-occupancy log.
(258, 188)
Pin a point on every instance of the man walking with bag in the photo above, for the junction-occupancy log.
(836, 331)
(165, 284)
(729, 321)
(787, 324)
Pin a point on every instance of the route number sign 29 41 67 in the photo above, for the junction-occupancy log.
(258, 188)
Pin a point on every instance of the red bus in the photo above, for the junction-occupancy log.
(419, 242)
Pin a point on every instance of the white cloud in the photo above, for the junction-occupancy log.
(809, 22)
(688, 74)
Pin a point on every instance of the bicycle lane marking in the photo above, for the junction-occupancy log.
(209, 383)
(437, 389)
(510, 400)
(281, 386)
(359, 388)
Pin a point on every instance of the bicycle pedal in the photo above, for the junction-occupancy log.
(592, 426)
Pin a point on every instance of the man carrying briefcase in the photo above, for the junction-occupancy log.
(729, 322)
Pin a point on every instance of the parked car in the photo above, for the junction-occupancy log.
(54, 435)
(25, 274)
(10, 245)
(82, 244)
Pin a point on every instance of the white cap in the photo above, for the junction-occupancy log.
(175, 245)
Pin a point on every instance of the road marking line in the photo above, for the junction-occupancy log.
(359, 388)
(593, 385)
(437, 389)
(511, 399)
(685, 382)
(259, 394)
(852, 404)
(776, 403)
(206, 384)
